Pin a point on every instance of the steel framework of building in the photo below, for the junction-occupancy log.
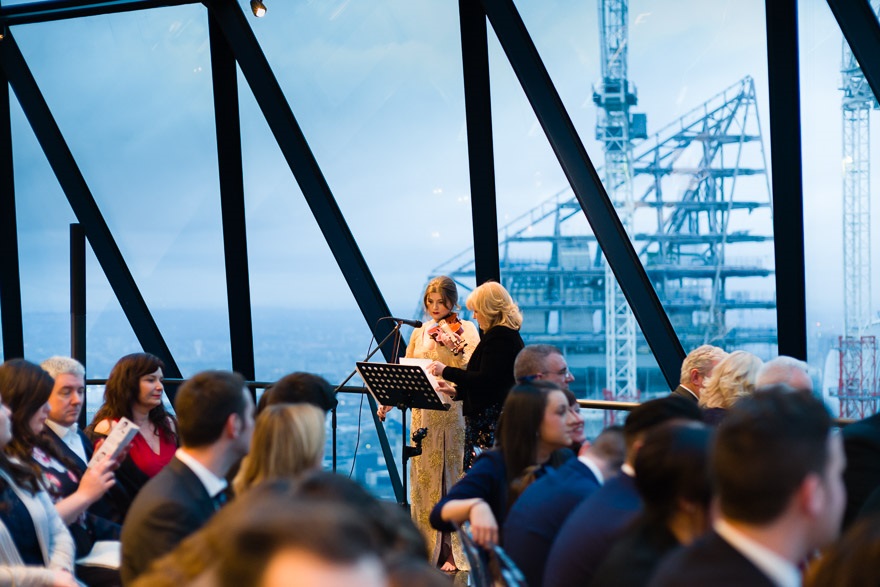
(696, 180)
(614, 128)
(857, 386)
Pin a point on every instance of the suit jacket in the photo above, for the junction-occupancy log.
(861, 442)
(170, 507)
(590, 531)
(685, 393)
(635, 555)
(708, 561)
(536, 517)
(489, 373)
(66, 451)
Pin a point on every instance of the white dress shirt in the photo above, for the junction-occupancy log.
(212, 483)
(779, 570)
(592, 467)
(69, 435)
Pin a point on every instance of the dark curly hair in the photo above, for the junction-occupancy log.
(123, 391)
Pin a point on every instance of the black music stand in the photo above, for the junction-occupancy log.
(403, 386)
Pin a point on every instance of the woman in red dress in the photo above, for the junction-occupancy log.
(135, 391)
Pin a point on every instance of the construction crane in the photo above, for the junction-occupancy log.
(614, 96)
(857, 387)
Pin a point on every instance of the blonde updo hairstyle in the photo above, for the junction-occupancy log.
(288, 441)
(495, 305)
(446, 288)
(733, 377)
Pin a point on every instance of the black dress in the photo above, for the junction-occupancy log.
(483, 387)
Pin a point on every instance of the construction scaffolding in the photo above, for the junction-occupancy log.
(701, 222)
(857, 389)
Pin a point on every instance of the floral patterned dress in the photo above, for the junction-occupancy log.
(439, 466)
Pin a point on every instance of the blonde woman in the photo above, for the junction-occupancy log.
(288, 441)
(732, 378)
(440, 465)
(483, 386)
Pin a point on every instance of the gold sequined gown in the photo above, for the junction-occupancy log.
(440, 465)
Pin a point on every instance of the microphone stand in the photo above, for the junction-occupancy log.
(394, 332)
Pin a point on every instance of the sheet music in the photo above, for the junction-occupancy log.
(423, 363)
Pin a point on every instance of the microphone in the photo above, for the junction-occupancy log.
(413, 323)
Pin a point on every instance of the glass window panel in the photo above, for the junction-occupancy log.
(692, 88)
(140, 127)
(837, 112)
(377, 89)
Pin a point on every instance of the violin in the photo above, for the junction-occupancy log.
(452, 331)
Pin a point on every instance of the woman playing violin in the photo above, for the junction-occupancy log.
(450, 340)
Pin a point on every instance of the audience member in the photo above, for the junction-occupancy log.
(291, 545)
(35, 546)
(534, 520)
(852, 561)
(861, 443)
(777, 466)
(542, 362)
(535, 421)
(672, 477)
(65, 406)
(134, 390)
(288, 441)
(591, 528)
(696, 368)
(64, 436)
(784, 370)
(732, 378)
(299, 388)
(545, 362)
(196, 561)
(27, 388)
(215, 421)
(483, 385)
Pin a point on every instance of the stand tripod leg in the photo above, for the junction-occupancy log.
(404, 442)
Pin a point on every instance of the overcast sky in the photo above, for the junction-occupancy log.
(376, 87)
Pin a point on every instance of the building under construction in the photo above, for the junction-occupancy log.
(701, 223)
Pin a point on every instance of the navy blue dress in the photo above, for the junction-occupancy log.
(486, 480)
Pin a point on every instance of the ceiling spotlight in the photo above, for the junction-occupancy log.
(259, 8)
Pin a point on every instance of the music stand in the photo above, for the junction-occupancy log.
(403, 386)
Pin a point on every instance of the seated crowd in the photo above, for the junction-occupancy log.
(737, 477)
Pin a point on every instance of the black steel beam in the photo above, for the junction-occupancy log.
(226, 117)
(83, 204)
(788, 193)
(50, 10)
(481, 160)
(307, 172)
(587, 187)
(78, 303)
(858, 23)
(10, 278)
(303, 165)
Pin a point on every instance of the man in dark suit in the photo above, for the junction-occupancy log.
(861, 443)
(777, 467)
(215, 424)
(540, 511)
(590, 530)
(65, 405)
(695, 369)
(62, 431)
